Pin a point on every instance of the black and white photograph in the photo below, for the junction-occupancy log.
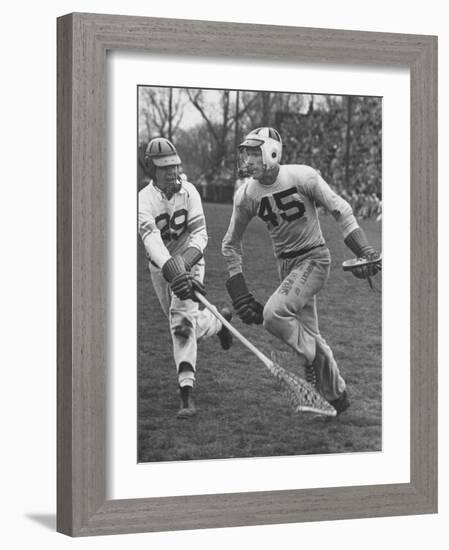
(257, 119)
(259, 273)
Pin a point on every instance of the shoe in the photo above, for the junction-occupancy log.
(311, 376)
(224, 335)
(341, 403)
(187, 409)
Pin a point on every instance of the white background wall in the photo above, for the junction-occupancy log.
(28, 296)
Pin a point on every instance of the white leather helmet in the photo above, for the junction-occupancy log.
(270, 143)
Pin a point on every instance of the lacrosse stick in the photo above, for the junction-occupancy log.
(303, 396)
(354, 263)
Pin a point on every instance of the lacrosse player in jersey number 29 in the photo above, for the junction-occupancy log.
(173, 230)
(286, 198)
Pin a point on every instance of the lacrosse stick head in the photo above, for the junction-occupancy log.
(303, 397)
(354, 263)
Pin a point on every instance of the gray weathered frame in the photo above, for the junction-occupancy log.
(83, 40)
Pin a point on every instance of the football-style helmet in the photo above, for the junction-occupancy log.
(269, 141)
(161, 153)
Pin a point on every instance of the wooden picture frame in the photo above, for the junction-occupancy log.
(83, 41)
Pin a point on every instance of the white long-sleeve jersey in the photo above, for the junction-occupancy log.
(289, 208)
(168, 227)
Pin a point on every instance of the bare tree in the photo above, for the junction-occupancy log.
(161, 111)
(266, 108)
(262, 108)
(219, 123)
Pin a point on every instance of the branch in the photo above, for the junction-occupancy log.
(194, 101)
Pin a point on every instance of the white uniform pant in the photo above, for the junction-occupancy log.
(187, 322)
(291, 315)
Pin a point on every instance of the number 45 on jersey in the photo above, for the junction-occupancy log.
(291, 208)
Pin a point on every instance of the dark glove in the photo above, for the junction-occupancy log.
(182, 282)
(369, 270)
(247, 308)
(357, 242)
(184, 287)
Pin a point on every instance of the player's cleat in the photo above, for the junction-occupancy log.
(187, 408)
(311, 376)
(224, 335)
(341, 403)
(303, 397)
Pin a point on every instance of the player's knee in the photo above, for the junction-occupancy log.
(272, 319)
(277, 316)
(181, 325)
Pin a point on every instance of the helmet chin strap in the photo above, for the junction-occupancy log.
(269, 176)
(170, 189)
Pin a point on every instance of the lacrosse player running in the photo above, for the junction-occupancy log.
(286, 198)
(173, 231)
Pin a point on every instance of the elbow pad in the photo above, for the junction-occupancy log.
(191, 256)
(236, 287)
(172, 268)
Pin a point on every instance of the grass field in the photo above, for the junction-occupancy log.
(241, 411)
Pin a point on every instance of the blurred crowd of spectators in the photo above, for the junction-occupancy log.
(364, 204)
(350, 161)
(342, 139)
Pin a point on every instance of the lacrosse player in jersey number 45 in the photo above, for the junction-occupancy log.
(173, 230)
(286, 198)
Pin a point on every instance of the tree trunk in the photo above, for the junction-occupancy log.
(170, 113)
(348, 140)
(236, 135)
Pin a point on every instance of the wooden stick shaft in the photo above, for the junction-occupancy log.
(267, 362)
